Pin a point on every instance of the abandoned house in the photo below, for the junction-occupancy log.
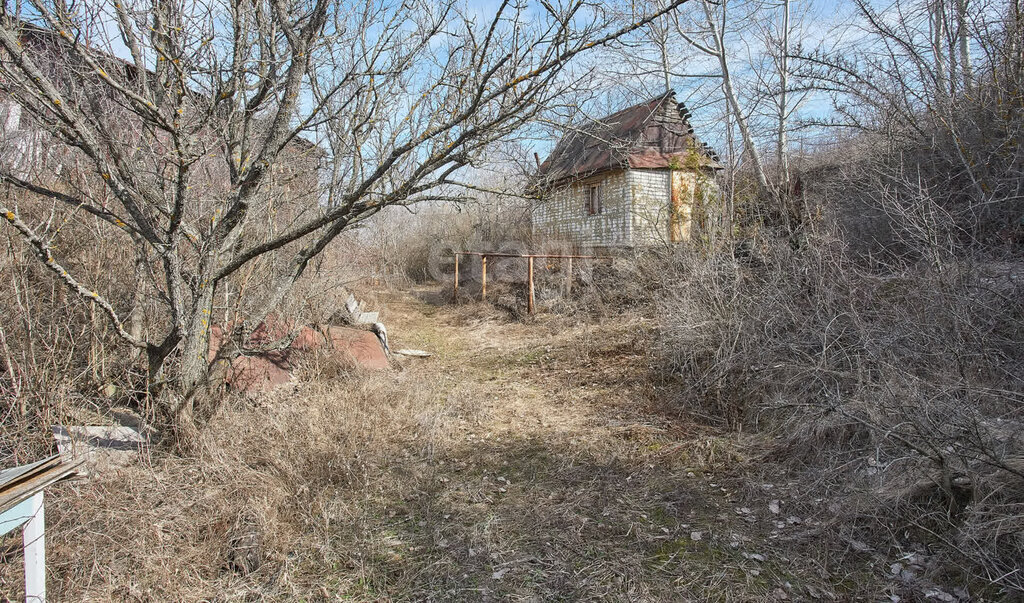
(635, 178)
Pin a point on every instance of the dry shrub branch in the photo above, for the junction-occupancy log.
(898, 391)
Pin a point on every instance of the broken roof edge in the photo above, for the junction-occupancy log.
(653, 102)
(542, 185)
(620, 144)
(586, 131)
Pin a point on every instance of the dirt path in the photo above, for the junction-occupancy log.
(541, 460)
(557, 477)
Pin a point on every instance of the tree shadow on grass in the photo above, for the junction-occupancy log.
(534, 520)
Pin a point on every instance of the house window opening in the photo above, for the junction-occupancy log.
(594, 199)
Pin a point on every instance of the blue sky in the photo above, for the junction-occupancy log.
(818, 23)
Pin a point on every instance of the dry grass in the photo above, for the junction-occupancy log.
(892, 393)
(524, 462)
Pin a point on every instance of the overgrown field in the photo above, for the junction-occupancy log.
(537, 460)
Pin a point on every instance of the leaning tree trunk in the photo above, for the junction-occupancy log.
(733, 103)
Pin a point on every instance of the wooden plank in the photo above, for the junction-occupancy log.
(16, 492)
(26, 489)
(18, 480)
(568, 277)
(414, 353)
(13, 474)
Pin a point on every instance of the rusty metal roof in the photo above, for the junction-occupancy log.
(653, 134)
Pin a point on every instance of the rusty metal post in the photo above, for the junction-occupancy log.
(529, 272)
(568, 277)
(455, 287)
(483, 277)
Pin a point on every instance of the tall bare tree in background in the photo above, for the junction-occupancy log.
(733, 59)
(651, 60)
(771, 99)
(173, 148)
(909, 83)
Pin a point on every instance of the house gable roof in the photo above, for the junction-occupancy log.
(653, 134)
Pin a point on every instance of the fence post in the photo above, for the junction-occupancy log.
(529, 271)
(483, 277)
(568, 277)
(455, 288)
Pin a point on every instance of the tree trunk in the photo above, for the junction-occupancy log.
(733, 101)
(789, 217)
(194, 371)
(137, 316)
(938, 30)
(964, 44)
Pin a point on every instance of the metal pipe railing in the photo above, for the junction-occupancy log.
(483, 255)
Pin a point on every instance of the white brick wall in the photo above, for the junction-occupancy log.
(636, 209)
(652, 195)
(563, 213)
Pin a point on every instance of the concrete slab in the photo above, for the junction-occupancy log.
(103, 448)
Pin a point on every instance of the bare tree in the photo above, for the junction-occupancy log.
(716, 21)
(910, 81)
(766, 72)
(178, 144)
(781, 152)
